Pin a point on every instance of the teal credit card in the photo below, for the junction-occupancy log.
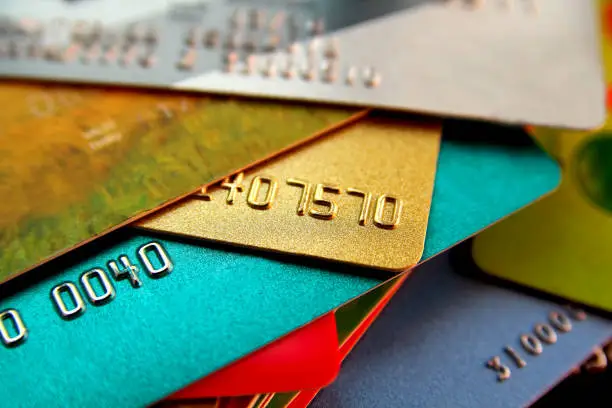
(485, 172)
(132, 317)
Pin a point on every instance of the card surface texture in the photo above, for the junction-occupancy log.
(496, 60)
(101, 158)
(447, 339)
(316, 202)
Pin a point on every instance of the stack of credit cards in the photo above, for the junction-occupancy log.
(326, 203)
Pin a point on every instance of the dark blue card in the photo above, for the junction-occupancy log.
(436, 343)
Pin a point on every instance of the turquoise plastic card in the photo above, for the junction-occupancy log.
(485, 172)
(202, 310)
(171, 312)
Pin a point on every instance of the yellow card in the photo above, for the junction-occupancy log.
(361, 195)
(561, 244)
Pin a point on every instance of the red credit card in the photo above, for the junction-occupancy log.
(304, 397)
(353, 331)
(307, 358)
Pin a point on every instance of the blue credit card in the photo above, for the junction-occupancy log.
(192, 308)
(448, 339)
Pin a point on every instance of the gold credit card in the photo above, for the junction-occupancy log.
(77, 162)
(361, 195)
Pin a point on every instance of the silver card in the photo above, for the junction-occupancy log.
(517, 61)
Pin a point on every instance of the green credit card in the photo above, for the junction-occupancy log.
(77, 162)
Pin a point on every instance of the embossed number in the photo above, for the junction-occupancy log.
(128, 271)
(531, 344)
(503, 372)
(331, 207)
(21, 332)
(253, 198)
(380, 212)
(365, 207)
(233, 188)
(166, 265)
(306, 190)
(577, 314)
(108, 293)
(520, 363)
(560, 321)
(78, 305)
(545, 333)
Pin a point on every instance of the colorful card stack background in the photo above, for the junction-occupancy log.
(399, 204)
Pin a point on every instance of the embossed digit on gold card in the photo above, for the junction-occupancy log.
(361, 196)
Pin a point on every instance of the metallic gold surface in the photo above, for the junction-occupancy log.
(361, 195)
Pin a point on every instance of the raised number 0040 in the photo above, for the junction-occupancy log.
(108, 290)
(166, 265)
(78, 305)
(12, 316)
